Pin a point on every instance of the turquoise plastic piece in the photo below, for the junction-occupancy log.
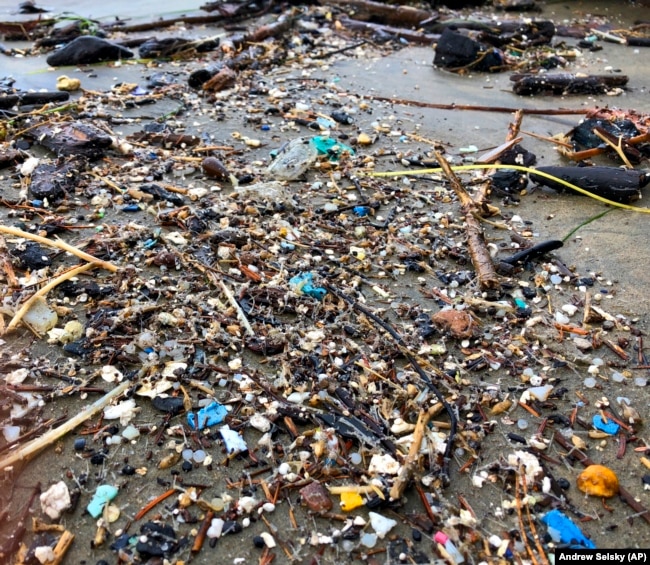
(213, 413)
(303, 283)
(103, 495)
(330, 147)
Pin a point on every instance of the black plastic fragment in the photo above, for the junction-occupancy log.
(169, 404)
(613, 183)
(533, 252)
(455, 51)
(160, 193)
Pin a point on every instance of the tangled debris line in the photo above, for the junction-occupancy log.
(300, 327)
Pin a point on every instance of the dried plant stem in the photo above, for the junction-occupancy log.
(29, 450)
(59, 244)
(43, 291)
(478, 251)
(522, 529)
(61, 548)
(153, 503)
(237, 307)
(408, 468)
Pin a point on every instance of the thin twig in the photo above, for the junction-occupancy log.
(59, 244)
(408, 468)
(29, 450)
(237, 307)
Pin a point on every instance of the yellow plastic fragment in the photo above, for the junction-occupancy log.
(67, 84)
(350, 501)
(598, 480)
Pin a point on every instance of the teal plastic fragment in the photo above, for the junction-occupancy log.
(304, 284)
(609, 427)
(330, 147)
(563, 530)
(212, 414)
(103, 495)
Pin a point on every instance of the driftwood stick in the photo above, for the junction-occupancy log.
(29, 450)
(59, 244)
(478, 251)
(475, 108)
(391, 14)
(515, 125)
(408, 468)
(61, 548)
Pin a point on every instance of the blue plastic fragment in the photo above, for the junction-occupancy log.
(609, 427)
(131, 208)
(212, 414)
(563, 530)
(103, 495)
(303, 284)
(361, 210)
(325, 122)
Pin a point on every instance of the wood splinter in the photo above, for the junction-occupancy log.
(478, 251)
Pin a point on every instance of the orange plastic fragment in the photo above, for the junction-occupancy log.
(598, 480)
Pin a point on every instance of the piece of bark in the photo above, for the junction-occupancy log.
(478, 251)
(390, 14)
(225, 78)
(565, 83)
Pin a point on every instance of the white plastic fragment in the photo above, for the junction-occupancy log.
(11, 433)
(130, 432)
(246, 504)
(124, 410)
(232, 440)
(381, 524)
(16, 377)
(269, 540)
(215, 529)
(55, 500)
(383, 464)
(369, 540)
(540, 392)
(260, 422)
(45, 554)
(110, 374)
(40, 317)
(528, 460)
